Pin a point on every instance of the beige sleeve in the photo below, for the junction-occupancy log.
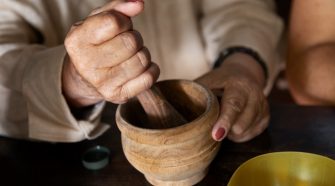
(253, 24)
(33, 70)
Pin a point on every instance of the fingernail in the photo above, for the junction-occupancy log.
(220, 132)
(78, 23)
(141, 1)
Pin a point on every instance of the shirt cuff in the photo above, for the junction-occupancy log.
(50, 118)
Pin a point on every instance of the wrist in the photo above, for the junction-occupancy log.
(77, 92)
(244, 50)
(247, 66)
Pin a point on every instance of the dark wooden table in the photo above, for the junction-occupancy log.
(292, 128)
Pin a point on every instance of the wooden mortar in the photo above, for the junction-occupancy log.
(160, 113)
(174, 156)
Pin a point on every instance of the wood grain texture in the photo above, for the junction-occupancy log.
(174, 156)
(161, 114)
(292, 128)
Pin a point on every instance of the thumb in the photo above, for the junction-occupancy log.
(232, 104)
(129, 8)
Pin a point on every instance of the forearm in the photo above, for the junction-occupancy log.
(31, 62)
(247, 66)
(311, 74)
(236, 68)
(250, 24)
(310, 64)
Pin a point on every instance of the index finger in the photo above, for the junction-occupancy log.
(232, 104)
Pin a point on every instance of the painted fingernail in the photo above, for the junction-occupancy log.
(220, 132)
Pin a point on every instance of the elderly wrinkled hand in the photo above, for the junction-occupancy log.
(244, 111)
(106, 57)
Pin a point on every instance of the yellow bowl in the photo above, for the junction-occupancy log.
(285, 169)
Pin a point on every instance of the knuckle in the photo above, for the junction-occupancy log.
(109, 18)
(155, 70)
(73, 41)
(112, 94)
(70, 40)
(131, 41)
(122, 73)
(138, 63)
(143, 57)
(234, 103)
(233, 137)
(239, 138)
(237, 129)
(225, 121)
(106, 24)
(118, 21)
(116, 95)
(68, 44)
(148, 80)
(124, 94)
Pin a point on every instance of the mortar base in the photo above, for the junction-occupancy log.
(185, 182)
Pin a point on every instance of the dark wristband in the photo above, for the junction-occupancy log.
(240, 49)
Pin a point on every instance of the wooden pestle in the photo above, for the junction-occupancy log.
(161, 114)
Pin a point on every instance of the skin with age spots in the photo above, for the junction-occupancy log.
(107, 60)
(108, 56)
